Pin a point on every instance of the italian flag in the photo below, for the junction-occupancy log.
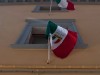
(63, 40)
(65, 4)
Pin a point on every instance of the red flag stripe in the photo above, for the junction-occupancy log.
(70, 5)
(67, 45)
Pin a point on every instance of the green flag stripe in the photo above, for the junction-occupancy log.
(58, 1)
(51, 28)
(47, 31)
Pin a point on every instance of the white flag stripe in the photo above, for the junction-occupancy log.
(62, 33)
(63, 4)
(54, 40)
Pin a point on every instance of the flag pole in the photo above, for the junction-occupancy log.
(49, 48)
(50, 6)
(50, 37)
(48, 60)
